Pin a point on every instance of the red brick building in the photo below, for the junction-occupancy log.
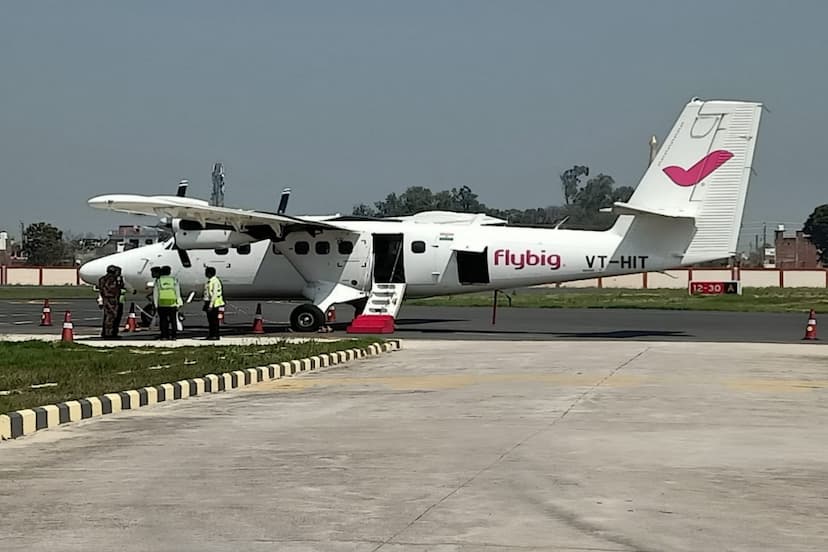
(794, 252)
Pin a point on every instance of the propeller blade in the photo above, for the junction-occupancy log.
(283, 201)
(182, 188)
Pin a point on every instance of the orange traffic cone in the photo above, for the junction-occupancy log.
(221, 315)
(46, 315)
(132, 321)
(810, 329)
(68, 334)
(258, 322)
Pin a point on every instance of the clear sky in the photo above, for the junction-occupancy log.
(346, 102)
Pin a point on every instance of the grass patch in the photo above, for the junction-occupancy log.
(31, 293)
(751, 300)
(83, 371)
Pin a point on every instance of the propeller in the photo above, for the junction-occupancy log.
(283, 201)
(182, 188)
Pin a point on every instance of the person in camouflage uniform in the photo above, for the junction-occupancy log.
(109, 287)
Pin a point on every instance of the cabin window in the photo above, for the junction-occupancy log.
(243, 249)
(418, 247)
(301, 248)
(346, 247)
(222, 251)
(323, 247)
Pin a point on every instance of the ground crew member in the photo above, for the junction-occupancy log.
(167, 299)
(109, 288)
(120, 314)
(213, 299)
(151, 312)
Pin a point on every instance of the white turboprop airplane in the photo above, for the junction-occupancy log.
(687, 209)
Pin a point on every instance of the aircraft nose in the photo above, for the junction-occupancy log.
(92, 271)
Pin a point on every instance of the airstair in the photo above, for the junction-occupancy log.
(382, 308)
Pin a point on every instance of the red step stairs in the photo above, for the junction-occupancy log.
(372, 324)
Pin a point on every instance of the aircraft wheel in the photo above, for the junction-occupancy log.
(306, 318)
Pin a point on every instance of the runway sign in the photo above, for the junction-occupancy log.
(733, 287)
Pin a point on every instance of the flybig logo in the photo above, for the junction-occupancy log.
(703, 168)
(526, 258)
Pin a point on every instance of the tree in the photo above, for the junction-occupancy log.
(570, 180)
(390, 207)
(466, 201)
(415, 200)
(444, 201)
(622, 194)
(363, 210)
(816, 227)
(581, 210)
(44, 244)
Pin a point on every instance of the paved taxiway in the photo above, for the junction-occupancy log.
(451, 446)
(466, 323)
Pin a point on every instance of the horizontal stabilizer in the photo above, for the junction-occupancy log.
(619, 208)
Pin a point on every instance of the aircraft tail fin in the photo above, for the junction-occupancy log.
(701, 173)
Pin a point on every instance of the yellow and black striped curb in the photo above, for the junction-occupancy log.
(25, 422)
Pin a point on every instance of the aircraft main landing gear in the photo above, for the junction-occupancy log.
(307, 318)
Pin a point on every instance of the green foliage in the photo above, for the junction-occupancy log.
(752, 300)
(417, 199)
(571, 180)
(817, 228)
(75, 371)
(581, 209)
(44, 244)
(39, 293)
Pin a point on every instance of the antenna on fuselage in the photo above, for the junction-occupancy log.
(283, 201)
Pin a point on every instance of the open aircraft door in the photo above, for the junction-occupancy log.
(472, 261)
(389, 265)
(356, 261)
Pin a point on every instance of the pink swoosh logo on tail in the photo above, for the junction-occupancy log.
(701, 170)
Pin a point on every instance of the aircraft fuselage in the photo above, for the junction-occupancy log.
(432, 259)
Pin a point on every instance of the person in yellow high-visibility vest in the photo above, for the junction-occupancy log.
(213, 299)
(167, 299)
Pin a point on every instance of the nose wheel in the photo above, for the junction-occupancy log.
(306, 318)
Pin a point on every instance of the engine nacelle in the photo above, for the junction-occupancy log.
(192, 235)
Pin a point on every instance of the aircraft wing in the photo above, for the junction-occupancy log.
(201, 211)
